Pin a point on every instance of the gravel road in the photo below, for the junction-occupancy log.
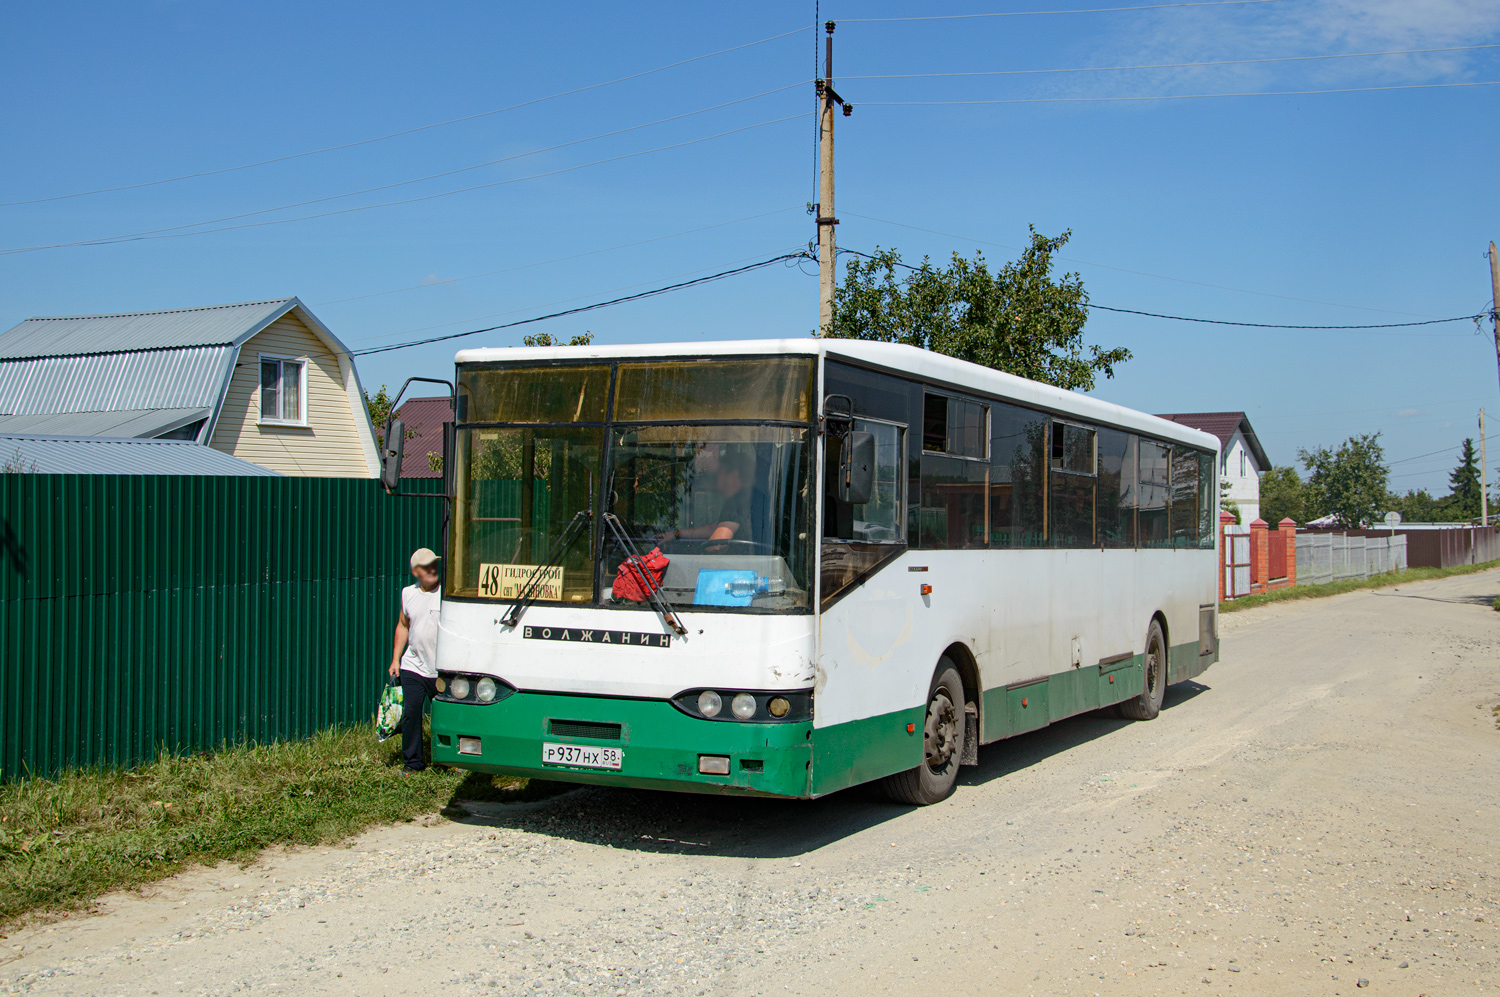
(1316, 815)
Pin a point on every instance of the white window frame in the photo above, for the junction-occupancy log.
(264, 420)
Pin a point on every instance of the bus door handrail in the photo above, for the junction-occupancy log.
(653, 591)
(528, 593)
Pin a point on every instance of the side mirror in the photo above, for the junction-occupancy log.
(390, 463)
(856, 481)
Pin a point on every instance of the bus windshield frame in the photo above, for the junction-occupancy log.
(672, 446)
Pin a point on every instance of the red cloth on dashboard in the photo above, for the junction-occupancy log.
(632, 575)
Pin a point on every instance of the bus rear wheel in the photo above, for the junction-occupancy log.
(942, 744)
(1148, 704)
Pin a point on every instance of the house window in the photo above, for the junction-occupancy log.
(283, 390)
(1242, 463)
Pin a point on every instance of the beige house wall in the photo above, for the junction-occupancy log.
(329, 446)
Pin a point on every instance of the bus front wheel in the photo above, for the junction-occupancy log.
(1148, 704)
(942, 744)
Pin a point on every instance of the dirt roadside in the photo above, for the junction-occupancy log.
(1319, 810)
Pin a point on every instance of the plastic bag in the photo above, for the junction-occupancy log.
(629, 581)
(388, 716)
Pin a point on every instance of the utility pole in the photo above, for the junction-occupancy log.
(823, 210)
(1484, 476)
(1494, 291)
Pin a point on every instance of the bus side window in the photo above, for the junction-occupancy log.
(857, 539)
(1116, 488)
(1208, 501)
(1017, 448)
(955, 426)
(1154, 492)
(1184, 497)
(883, 518)
(1071, 486)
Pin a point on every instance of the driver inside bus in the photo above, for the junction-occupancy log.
(732, 476)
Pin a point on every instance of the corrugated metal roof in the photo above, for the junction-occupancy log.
(132, 423)
(187, 378)
(425, 417)
(72, 335)
(73, 455)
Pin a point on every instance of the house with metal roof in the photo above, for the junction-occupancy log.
(423, 447)
(263, 381)
(119, 455)
(1241, 457)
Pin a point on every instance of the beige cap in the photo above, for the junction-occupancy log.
(424, 558)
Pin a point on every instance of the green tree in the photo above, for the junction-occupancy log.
(1020, 318)
(379, 408)
(545, 339)
(1283, 496)
(1462, 503)
(1350, 482)
(1227, 504)
(1417, 506)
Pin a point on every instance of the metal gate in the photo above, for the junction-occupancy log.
(1236, 561)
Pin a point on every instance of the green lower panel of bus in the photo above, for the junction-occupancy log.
(658, 746)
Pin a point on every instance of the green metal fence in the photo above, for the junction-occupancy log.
(140, 611)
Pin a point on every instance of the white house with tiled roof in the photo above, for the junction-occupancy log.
(1241, 458)
(263, 381)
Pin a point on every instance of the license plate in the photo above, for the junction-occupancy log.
(582, 756)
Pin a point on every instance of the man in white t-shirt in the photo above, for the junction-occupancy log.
(416, 633)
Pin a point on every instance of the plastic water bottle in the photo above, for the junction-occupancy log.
(761, 585)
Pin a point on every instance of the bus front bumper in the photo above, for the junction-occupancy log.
(660, 746)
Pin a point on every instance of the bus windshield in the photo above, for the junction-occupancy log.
(709, 460)
(727, 505)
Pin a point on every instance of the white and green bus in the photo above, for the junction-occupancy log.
(788, 567)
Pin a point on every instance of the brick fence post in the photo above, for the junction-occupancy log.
(1289, 533)
(1259, 555)
(1225, 519)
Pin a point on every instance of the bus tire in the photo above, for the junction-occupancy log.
(1148, 704)
(942, 744)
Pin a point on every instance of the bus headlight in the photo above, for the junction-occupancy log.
(742, 705)
(483, 690)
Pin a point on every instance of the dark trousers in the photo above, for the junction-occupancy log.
(416, 690)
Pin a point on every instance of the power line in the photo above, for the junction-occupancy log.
(591, 307)
(1173, 65)
(438, 176)
(1275, 325)
(1039, 13)
(166, 234)
(407, 131)
(384, 337)
(1138, 273)
(1214, 321)
(559, 259)
(1177, 96)
(1435, 453)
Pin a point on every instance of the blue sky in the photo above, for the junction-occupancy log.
(1335, 208)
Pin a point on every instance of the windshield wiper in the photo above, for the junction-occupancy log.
(530, 590)
(653, 591)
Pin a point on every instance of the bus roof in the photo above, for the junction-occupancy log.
(909, 361)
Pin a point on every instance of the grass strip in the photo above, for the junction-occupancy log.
(1352, 585)
(67, 840)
